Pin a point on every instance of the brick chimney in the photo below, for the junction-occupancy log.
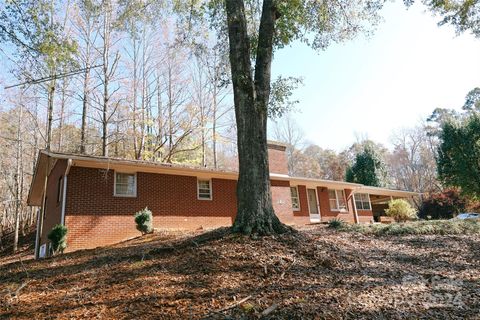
(277, 157)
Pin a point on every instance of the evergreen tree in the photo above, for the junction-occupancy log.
(459, 154)
(368, 169)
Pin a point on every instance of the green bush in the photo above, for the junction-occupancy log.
(58, 237)
(144, 221)
(401, 210)
(336, 223)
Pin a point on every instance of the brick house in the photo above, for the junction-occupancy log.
(96, 197)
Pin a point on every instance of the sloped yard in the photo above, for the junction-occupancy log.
(315, 273)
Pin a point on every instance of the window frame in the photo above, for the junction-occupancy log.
(115, 194)
(60, 189)
(337, 202)
(210, 186)
(298, 198)
(362, 202)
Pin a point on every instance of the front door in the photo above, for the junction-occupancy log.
(313, 205)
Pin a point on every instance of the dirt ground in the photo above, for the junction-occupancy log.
(316, 273)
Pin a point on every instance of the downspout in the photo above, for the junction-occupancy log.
(64, 191)
(37, 234)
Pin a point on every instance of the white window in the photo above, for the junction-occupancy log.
(125, 184)
(204, 189)
(295, 198)
(336, 199)
(362, 201)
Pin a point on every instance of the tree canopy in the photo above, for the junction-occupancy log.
(459, 154)
(367, 169)
(463, 15)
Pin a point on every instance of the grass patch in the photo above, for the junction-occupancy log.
(440, 227)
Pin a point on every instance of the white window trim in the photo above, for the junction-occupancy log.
(338, 203)
(115, 185)
(369, 202)
(298, 198)
(211, 189)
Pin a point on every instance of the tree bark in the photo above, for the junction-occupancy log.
(255, 213)
(106, 76)
(86, 80)
(17, 180)
(51, 92)
(62, 115)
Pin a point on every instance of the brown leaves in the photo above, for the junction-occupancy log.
(315, 273)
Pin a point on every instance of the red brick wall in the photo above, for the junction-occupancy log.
(365, 216)
(277, 159)
(91, 192)
(53, 210)
(95, 217)
(282, 204)
(302, 194)
(172, 200)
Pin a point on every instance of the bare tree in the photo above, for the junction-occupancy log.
(412, 162)
(287, 130)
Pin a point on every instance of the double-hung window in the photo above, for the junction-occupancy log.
(204, 189)
(362, 201)
(295, 198)
(336, 199)
(125, 184)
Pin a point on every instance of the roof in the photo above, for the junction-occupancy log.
(46, 161)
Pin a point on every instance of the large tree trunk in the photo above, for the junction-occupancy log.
(255, 211)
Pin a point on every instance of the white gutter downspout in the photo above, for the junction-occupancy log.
(64, 191)
(37, 233)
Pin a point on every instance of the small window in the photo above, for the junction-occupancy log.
(362, 201)
(125, 184)
(204, 189)
(295, 199)
(59, 189)
(336, 199)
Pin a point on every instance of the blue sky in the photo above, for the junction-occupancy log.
(394, 79)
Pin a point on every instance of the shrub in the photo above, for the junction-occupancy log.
(144, 221)
(443, 205)
(58, 237)
(336, 223)
(401, 210)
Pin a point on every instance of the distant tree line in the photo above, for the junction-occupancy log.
(439, 158)
(409, 165)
